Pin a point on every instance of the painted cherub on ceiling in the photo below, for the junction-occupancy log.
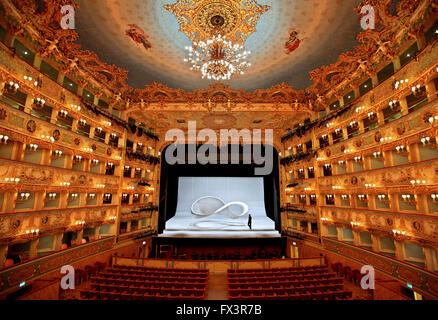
(138, 36)
(293, 41)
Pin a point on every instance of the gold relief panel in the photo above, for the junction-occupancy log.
(409, 275)
(22, 274)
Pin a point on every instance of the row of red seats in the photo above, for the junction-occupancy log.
(150, 291)
(285, 284)
(276, 279)
(163, 273)
(141, 268)
(270, 274)
(337, 295)
(152, 278)
(310, 268)
(279, 291)
(103, 295)
(146, 284)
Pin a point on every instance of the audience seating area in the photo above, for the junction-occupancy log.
(346, 272)
(300, 283)
(142, 283)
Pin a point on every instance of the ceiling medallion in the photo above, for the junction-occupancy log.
(198, 18)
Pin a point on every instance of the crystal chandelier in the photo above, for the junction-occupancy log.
(218, 58)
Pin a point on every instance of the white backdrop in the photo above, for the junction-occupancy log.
(229, 189)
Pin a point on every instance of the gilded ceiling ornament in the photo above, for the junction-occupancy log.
(198, 18)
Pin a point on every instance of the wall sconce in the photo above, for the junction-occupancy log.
(407, 198)
(311, 169)
(291, 171)
(394, 104)
(82, 122)
(324, 137)
(418, 182)
(398, 233)
(72, 197)
(39, 103)
(434, 197)
(292, 196)
(99, 129)
(300, 170)
(378, 155)
(313, 196)
(141, 145)
(23, 196)
(344, 197)
(33, 147)
(124, 196)
(327, 165)
(319, 159)
(348, 150)
(138, 169)
(383, 198)
(418, 90)
(338, 131)
(94, 162)
(136, 196)
(100, 186)
(36, 83)
(88, 149)
(324, 219)
(425, 140)
(110, 164)
(12, 180)
(113, 136)
(328, 125)
(336, 187)
(385, 139)
(107, 196)
(400, 149)
(62, 114)
(51, 196)
(4, 139)
(130, 188)
(355, 224)
(112, 218)
(12, 87)
(77, 159)
(32, 232)
(80, 223)
(91, 196)
(150, 148)
(107, 123)
(362, 197)
(302, 196)
(118, 157)
(372, 115)
(359, 109)
(75, 107)
(398, 83)
(57, 153)
(341, 162)
(370, 185)
(358, 159)
(48, 138)
(307, 189)
(147, 195)
(354, 124)
(65, 184)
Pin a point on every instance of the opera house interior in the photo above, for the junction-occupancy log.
(218, 150)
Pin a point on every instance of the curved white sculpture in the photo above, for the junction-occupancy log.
(207, 206)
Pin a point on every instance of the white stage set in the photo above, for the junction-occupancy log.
(218, 207)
